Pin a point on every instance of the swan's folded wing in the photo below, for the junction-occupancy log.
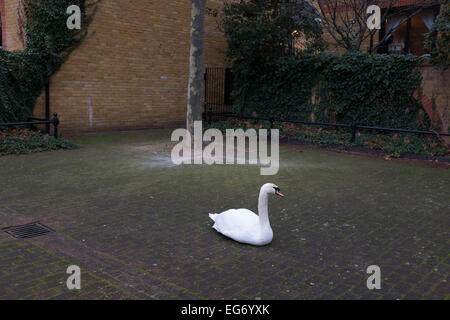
(237, 222)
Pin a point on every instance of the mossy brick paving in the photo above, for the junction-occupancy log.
(139, 229)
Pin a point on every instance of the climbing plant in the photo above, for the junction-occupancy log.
(47, 44)
(375, 89)
(271, 79)
(437, 41)
(259, 33)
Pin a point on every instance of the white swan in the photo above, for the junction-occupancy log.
(244, 225)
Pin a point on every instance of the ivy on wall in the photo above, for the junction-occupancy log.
(273, 81)
(375, 89)
(48, 42)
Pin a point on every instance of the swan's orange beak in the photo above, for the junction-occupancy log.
(279, 194)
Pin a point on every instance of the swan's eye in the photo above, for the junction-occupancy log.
(277, 189)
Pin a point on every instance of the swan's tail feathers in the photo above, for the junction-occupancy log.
(213, 216)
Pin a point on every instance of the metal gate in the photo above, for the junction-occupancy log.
(218, 87)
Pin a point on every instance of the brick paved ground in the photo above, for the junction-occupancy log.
(138, 227)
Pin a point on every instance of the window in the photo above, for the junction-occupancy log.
(409, 34)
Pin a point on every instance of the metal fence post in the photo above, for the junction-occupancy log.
(210, 112)
(47, 106)
(271, 120)
(55, 125)
(353, 130)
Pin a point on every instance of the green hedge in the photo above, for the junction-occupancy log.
(376, 89)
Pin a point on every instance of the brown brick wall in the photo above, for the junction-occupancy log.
(133, 71)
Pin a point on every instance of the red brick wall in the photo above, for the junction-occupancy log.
(436, 95)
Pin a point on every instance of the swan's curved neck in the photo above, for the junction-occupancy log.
(263, 209)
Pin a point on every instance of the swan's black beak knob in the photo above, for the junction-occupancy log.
(278, 192)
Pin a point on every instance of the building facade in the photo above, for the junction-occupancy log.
(132, 70)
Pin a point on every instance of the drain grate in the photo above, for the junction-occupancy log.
(30, 230)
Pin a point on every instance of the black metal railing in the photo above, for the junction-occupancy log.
(354, 126)
(35, 121)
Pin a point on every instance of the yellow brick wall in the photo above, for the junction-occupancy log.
(133, 71)
(11, 24)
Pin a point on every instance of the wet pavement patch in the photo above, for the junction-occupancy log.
(138, 226)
